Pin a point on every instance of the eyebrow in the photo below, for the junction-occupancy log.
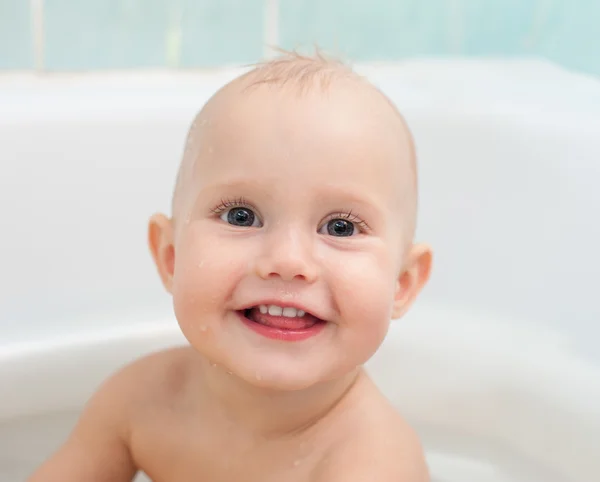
(344, 194)
(349, 193)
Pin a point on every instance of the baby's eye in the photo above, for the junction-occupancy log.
(240, 216)
(338, 227)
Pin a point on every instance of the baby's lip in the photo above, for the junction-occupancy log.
(284, 304)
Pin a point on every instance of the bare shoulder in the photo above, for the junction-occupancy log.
(386, 452)
(98, 448)
(138, 388)
(153, 380)
(146, 381)
(376, 443)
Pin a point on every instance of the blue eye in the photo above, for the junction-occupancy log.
(340, 227)
(240, 216)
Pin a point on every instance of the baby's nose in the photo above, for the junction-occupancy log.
(288, 254)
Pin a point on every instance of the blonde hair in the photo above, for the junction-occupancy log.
(299, 70)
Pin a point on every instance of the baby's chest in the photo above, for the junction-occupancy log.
(172, 452)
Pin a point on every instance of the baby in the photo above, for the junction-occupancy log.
(289, 250)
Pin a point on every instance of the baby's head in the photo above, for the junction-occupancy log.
(297, 190)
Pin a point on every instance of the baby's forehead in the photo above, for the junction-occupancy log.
(345, 99)
(347, 122)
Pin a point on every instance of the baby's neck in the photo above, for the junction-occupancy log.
(273, 413)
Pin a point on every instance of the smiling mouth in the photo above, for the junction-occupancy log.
(274, 324)
(299, 321)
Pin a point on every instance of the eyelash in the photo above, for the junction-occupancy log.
(240, 202)
(226, 204)
(353, 218)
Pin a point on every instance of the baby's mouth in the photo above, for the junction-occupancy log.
(298, 321)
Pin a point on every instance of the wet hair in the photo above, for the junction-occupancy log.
(304, 72)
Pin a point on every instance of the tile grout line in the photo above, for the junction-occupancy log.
(270, 27)
(37, 33)
(174, 35)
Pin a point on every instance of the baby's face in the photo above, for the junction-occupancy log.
(295, 202)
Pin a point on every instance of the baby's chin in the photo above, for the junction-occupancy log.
(275, 374)
(282, 378)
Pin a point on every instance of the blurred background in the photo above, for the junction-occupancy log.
(75, 35)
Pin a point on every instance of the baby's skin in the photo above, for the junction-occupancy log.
(288, 251)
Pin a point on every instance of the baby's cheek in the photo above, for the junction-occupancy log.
(366, 289)
(363, 296)
(187, 292)
(198, 282)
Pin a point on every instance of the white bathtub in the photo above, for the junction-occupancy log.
(498, 365)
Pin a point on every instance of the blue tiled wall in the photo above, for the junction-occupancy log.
(88, 34)
(100, 34)
(566, 31)
(15, 35)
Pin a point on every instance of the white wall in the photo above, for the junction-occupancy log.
(509, 162)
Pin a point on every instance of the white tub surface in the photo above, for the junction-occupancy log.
(498, 366)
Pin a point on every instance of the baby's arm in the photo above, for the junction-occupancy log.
(96, 450)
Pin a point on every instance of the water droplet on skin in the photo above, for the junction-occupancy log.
(203, 328)
(296, 463)
(200, 264)
(214, 365)
(229, 373)
(258, 377)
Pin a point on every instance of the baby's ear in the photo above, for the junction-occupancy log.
(160, 240)
(412, 279)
